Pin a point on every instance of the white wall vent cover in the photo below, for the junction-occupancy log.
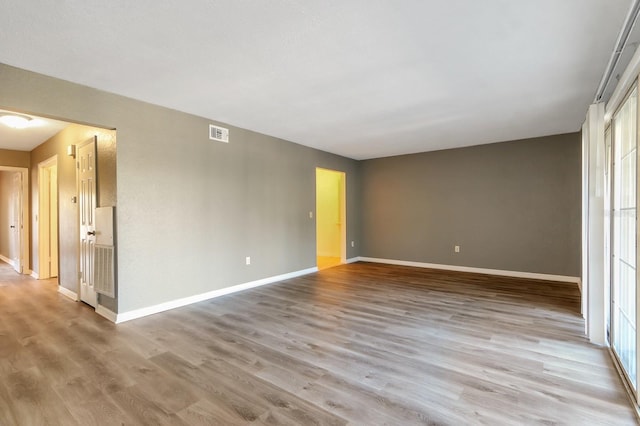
(217, 133)
(104, 255)
(104, 280)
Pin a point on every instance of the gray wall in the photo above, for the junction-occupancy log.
(190, 209)
(510, 206)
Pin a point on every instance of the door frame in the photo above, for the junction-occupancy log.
(343, 211)
(44, 232)
(94, 140)
(24, 229)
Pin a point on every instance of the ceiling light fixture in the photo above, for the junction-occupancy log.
(15, 121)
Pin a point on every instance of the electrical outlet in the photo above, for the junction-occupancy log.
(353, 243)
(248, 260)
(456, 249)
(310, 215)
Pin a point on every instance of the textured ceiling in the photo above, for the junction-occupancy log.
(360, 78)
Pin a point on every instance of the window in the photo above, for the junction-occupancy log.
(623, 262)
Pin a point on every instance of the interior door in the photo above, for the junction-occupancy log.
(87, 206)
(53, 221)
(15, 222)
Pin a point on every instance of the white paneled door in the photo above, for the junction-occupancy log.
(87, 207)
(15, 222)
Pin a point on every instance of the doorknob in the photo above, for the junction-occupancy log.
(12, 226)
(91, 232)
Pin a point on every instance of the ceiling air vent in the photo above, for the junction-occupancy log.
(219, 134)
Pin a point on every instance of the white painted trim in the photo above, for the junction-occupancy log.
(620, 92)
(35, 275)
(66, 292)
(499, 272)
(623, 379)
(353, 260)
(107, 313)
(343, 214)
(150, 310)
(25, 220)
(42, 240)
(25, 271)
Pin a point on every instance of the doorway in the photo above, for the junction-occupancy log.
(14, 219)
(48, 218)
(330, 218)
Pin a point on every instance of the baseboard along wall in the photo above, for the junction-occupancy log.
(66, 292)
(150, 310)
(499, 272)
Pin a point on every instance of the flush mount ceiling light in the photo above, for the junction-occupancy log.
(15, 121)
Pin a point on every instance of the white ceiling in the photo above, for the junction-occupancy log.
(361, 78)
(40, 129)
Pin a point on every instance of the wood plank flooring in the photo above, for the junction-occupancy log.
(325, 262)
(361, 344)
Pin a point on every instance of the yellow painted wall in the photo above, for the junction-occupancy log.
(12, 158)
(328, 212)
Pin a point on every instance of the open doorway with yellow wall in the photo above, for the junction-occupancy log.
(48, 218)
(330, 218)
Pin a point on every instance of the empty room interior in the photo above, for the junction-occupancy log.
(299, 213)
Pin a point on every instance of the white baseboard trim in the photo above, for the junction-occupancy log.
(353, 260)
(25, 271)
(66, 292)
(499, 272)
(35, 275)
(625, 384)
(150, 310)
(107, 313)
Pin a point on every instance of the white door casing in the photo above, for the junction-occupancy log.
(331, 223)
(15, 222)
(48, 218)
(53, 221)
(86, 172)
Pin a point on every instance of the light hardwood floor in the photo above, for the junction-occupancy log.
(360, 344)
